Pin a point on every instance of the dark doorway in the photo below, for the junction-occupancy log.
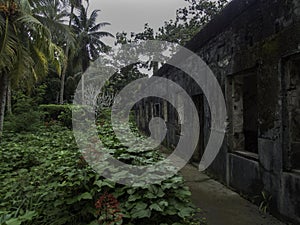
(199, 103)
(242, 90)
(250, 113)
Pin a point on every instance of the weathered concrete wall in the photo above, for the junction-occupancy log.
(258, 38)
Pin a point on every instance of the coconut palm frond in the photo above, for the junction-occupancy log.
(99, 26)
(8, 46)
(89, 35)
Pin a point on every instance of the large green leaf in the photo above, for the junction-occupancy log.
(14, 221)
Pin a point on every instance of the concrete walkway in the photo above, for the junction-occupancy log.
(220, 205)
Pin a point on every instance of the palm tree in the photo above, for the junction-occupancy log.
(53, 14)
(89, 41)
(26, 48)
(74, 4)
(89, 36)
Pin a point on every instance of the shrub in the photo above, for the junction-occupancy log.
(57, 113)
(25, 122)
(25, 117)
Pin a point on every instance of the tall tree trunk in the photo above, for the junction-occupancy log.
(8, 103)
(3, 92)
(155, 67)
(63, 74)
(82, 89)
(63, 77)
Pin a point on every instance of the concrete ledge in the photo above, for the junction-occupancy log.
(244, 174)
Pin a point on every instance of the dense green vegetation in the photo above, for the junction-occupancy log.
(36, 42)
(45, 180)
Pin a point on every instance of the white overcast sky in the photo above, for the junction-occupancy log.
(131, 15)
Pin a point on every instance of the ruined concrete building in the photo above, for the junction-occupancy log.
(253, 48)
